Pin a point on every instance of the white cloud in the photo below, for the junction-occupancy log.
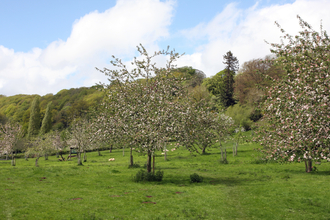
(94, 38)
(244, 31)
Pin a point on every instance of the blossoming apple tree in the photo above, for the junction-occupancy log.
(142, 103)
(81, 138)
(10, 133)
(297, 109)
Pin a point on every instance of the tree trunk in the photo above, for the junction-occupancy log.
(98, 151)
(236, 148)
(26, 157)
(221, 153)
(221, 149)
(79, 158)
(85, 156)
(6, 156)
(203, 151)
(46, 156)
(153, 163)
(123, 151)
(13, 162)
(57, 155)
(149, 162)
(110, 151)
(308, 165)
(36, 164)
(131, 157)
(165, 155)
(63, 159)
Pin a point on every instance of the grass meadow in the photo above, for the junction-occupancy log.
(102, 189)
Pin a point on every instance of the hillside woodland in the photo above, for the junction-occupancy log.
(65, 106)
(69, 104)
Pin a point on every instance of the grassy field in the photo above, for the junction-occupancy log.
(241, 189)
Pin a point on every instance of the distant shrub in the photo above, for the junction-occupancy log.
(143, 175)
(134, 166)
(195, 178)
(159, 176)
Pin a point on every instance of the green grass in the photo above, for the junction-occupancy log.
(241, 189)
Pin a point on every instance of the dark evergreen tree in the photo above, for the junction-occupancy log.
(227, 96)
(47, 120)
(34, 122)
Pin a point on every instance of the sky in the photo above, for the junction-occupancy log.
(47, 46)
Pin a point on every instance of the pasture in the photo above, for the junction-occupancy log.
(245, 188)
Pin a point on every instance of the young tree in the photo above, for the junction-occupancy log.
(40, 146)
(227, 95)
(81, 137)
(297, 108)
(34, 122)
(142, 102)
(47, 120)
(222, 128)
(58, 143)
(10, 133)
(205, 135)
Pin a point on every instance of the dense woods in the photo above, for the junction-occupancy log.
(66, 105)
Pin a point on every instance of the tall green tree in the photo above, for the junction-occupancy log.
(47, 120)
(215, 83)
(34, 122)
(227, 95)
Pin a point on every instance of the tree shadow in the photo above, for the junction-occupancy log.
(227, 181)
(317, 173)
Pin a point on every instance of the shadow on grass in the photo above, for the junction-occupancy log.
(169, 168)
(302, 171)
(227, 181)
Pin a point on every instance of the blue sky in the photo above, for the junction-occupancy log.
(46, 46)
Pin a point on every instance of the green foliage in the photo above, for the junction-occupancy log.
(143, 175)
(241, 115)
(159, 176)
(215, 83)
(34, 122)
(253, 79)
(255, 115)
(47, 120)
(227, 96)
(66, 105)
(195, 178)
(193, 77)
(200, 92)
(3, 118)
(217, 86)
